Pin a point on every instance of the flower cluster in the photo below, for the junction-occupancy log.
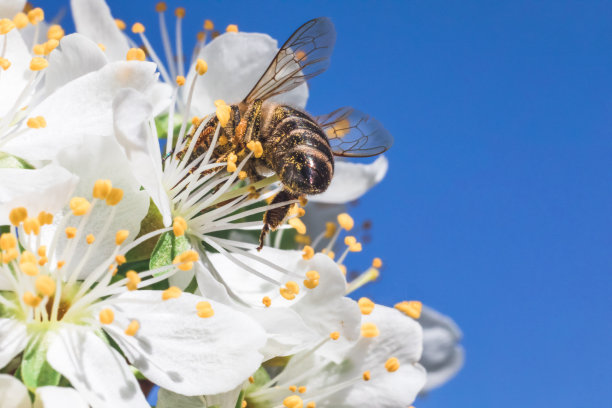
(123, 266)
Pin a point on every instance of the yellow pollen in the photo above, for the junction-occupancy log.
(369, 330)
(180, 80)
(201, 35)
(17, 215)
(411, 308)
(231, 167)
(36, 122)
(29, 268)
(38, 64)
(120, 24)
(70, 232)
(366, 375)
(308, 252)
(90, 238)
(185, 260)
(102, 47)
(346, 221)
(36, 15)
(60, 264)
(222, 141)
(31, 226)
(251, 379)
(43, 260)
(120, 259)
(331, 254)
(132, 328)
(290, 290)
(106, 316)
(219, 102)
(55, 32)
(266, 301)
(10, 255)
(356, 247)
(161, 6)
(45, 218)
(243, 404)
(330, 229)
(102, 189)
(303, 201)
(138, 28)
(377, 263)
(256, 148)
(293, 286)
(299, 226)
(38, 49)
(392, 364)
(50, 46)
(31, 299)
(223, 113)
(6, 25)
(232, 28)
(8, 241)
(293, 401)
(121, 236)
(45, 285)
(350, 240)
(179, 12)
(334, 335)
(135, 54)
(179, 226)
(204, 309)
(5, 64)
(312, 280)
(342, 269)
(232, 158)
(311, 404)
(20, 20)
(209, 25)
(201, 66)
(79, 206)
(302, 389)
(171, 293)
(133, 280)
(114, 197)
(365, 305)
(27, 256)
(242, 175)
(292, 388)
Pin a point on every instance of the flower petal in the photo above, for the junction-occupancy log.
(8, 8)
(236, 61)
(14, 80)
(93, 19)
(169, 399)
(13, 339)
(13, 394)
(182, 352)
(58, 397)
(98, 372)
(352, 180)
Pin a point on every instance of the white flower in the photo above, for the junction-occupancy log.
(13, 394)
(8, 8)
(443, 356)
(62, 298)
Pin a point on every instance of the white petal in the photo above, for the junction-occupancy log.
(13, 394)
(98, 372)
(89, 96)
(169, 399)
(58, 397)
(13, 81)
(8, 8)
(352, 180)
(13, 339)
(132, 113)
(236, 61)
(185, 353)
(93, 19)
(76, 55)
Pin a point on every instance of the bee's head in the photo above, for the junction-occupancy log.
(306, 173)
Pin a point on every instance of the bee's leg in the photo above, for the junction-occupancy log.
(250, 124)
(275, 217)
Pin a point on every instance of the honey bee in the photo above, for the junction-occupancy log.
(297, 147)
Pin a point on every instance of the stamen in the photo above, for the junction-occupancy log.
(138, 28)
(132, 328)
(209, 25)
(45, 218)
(6, 25)
(290, 290)
(302, 389)
(392, 364)
(20, 20)
(256, 148)
(8, 241)
(135, 54)
(133, 280)
(120, 259)
(179, 12)
(120, 24)
(312, 280)
(411, 308)
(330, 229)
(31, 225)
(368, 276)
(308, 253)
(293, 401)
(180, 80)
(334, 335)
(266, 301)
(251, 379)
(36, 123)
(45, 285)
(172, 292)
(161, 6)
(346, 221)
(38, 49)
(79, 206)
(5, 64)
(55, 32)
(31, 299)
(185, 260)
(232, 28)
(38, 64)
(102, 47)
(36, 15)
(366, 375)
(70, 232)
(365, 305)
(311, 404)
(204, 309)
(114, 197)
(369, 330)
(292, 388)
(299, 226)
(29, 268)
(201, 66)
(121, 236)
(102, 189)
(223, 112)
(17, 215)
(377, 263)
(107, 316)
(179, 226)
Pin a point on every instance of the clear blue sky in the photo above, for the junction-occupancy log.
(497, 207)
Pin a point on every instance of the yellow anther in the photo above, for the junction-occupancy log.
(201, 35)
(79, 206)
(20, 20)
(243, 404)
(10, 255)
(205, 309)
(29, 268)
(36, 122)
(219, 102)
(31, 226)
(251, 379)
(31, 299)
(102, 47)
(6, 25)
(242, 175)
(60, 264)
(201, 66)
(232, 158)
(121, 236)
(293, 401)
(209, 25)
(292, 388)
(120, 24)
(133, 280)
(366, 305)
(161, 6)
(107, 316)
(366, 375)
(392, 364)
(293, 286)
(231, 167)
(180, 80)
(223, 113)
(45, 218)
(102, 189)
(36, 15)
(132, 328)
(138, 28)
(377, 263)
(120, 259)
(43, 260)
(17, 215)
(342, 269)
(356, 247)
(42, 251)
(331, 254)
(90, 238)
(179, 12)
(55, 32)
(50, 46)
(5, 64)
(232, 28)
(45, 285)
(330, 229)
(8, 241)
(38, 49)
(114, 197)
(179, 226)
(411, 308)
(185, 260)
(302, 389)
(334, 335)
(266, 301)
(38, 64)
(287, 293)
(70, 232)
(299, 226)
(311, 404)
(312, 280)
(350, 240)
(308, 252)
(346, 221)
(222, 140)
(256, 148)
(172, 292)
(369, 330)
(135, 54)
(27, 256)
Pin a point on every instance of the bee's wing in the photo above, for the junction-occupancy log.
(303, 56)
(352, 133)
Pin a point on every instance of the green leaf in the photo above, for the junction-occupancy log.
(34, 370)
(152, 221)
(8, 161)
(167, 248)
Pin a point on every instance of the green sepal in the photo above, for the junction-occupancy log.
(151, 222)
(34, 370)
(8, 161)
(167, 248)
(161, 124)
(260, 378)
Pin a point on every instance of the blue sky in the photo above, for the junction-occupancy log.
(496, 209)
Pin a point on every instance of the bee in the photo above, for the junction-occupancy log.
(297, 147)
